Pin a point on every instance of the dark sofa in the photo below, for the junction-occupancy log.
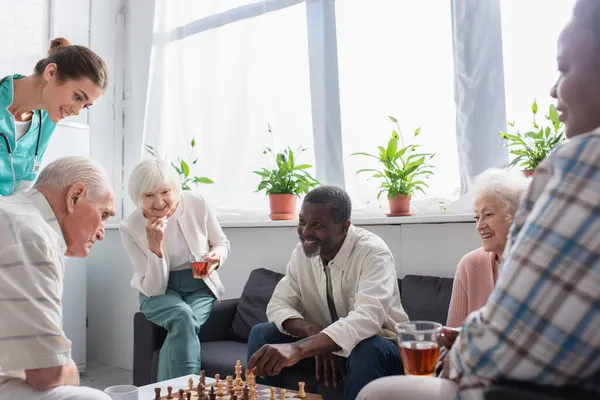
(224, 336)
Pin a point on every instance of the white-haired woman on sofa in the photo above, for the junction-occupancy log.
(160, 236)
(496, 194)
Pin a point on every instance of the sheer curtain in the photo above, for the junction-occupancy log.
(222, 71)
(530, 30)
(395, 58)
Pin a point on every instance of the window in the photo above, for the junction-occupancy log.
(224, 86)
(395, 58)
(530, 30)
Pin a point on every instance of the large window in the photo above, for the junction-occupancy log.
(224, 86)
(530, 30)
(395, 58)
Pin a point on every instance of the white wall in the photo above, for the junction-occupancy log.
(423, 249)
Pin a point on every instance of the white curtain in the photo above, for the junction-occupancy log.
(222, 71)
(395, 58)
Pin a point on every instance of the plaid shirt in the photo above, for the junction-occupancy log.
(542, 321)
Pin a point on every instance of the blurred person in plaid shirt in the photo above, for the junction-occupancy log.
(541, 323)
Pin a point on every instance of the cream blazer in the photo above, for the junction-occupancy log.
(202, 234)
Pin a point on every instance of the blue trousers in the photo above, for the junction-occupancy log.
(372, 358)
(182, 310)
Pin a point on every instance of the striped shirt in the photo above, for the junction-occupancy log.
(31, 283)
(542, 320)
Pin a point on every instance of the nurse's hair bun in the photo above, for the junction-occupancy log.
(57, 43)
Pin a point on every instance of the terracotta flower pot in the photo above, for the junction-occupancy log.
(528, 172)
(399, 206)
(283, 206)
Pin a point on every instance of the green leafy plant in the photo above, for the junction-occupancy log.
(532, 147)
(283, 176)
(404, 168)
(183, 168)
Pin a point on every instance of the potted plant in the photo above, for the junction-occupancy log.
(403, 171)
(183, 168)
(532, 147)
(284, 181)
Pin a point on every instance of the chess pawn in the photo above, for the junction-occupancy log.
(253, 393)
(181, 392)
(283, 393)
(229, 383)
(169, 392)
(273, 397)
(220, 389)
(301, 393)
(217, 379)
(188, 395)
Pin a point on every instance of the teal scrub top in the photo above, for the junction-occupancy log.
(23, 151)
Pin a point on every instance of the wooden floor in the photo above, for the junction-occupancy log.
(102, 376)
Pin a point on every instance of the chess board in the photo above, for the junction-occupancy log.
(263, 393)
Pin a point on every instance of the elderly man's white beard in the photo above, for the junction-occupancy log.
(313, 252)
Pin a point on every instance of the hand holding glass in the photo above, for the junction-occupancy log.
(419, 349)
(199, 266)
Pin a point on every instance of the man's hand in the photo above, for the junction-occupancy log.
(272, 358)
(448, 336)
(301, 328)
(331, 368)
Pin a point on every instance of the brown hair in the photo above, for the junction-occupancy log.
(74, 62)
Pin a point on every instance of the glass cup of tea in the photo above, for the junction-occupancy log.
(199, 266)
(419, 349)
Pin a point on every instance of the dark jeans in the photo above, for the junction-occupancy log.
(372, 358)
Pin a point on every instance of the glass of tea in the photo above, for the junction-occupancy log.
(419, 349)
(199, 266)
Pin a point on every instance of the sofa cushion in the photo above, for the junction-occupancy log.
(252, 306)
(220, 357)
(426, 297)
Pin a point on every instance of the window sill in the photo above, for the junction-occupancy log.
(257, 221)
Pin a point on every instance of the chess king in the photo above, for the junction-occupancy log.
(334, 313)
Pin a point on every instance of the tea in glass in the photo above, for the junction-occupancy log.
(419, 348)
(199, 266)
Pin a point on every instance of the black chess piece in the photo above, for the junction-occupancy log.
(156, 393)
(212, 395)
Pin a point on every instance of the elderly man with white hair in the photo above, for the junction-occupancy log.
(161, 236)
(63, 214)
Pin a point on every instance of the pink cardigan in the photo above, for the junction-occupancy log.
(475, 278)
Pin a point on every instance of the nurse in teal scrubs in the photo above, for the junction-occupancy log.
(69, 79)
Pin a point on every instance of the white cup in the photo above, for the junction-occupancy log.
(122, 392)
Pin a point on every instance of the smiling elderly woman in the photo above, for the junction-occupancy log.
(160, 237)
(496, 195)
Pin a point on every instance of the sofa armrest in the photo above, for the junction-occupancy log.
(147, 337)
(516, 390)
(218, 325)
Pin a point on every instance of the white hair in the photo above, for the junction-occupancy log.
(506, 185)
(65, 171)
(148, 175)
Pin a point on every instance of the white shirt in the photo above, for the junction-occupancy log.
(179, 252)
(365, 291)
(21, 128)
(31, 285)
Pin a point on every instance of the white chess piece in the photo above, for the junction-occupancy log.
(301, 393)
(283, 393)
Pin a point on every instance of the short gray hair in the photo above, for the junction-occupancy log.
(506, 185)
(66, 171)
(149, 174)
